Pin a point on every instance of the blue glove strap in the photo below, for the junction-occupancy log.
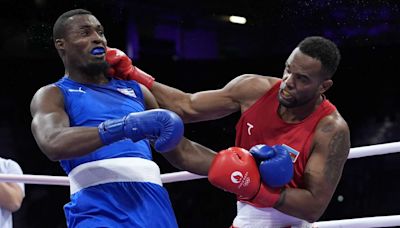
(111, 130)
(164, 127)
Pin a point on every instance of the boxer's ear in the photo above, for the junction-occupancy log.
(325, 85)
(59, 44)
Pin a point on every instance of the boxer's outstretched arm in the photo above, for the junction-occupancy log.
(191, 156)
(237, 95)
(51, 129)
(323, 171)
(200, 106)
(213, 104)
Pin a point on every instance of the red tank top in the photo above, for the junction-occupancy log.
(261, 124)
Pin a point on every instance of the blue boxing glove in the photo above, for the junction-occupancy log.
(276, 166)
(163, 126)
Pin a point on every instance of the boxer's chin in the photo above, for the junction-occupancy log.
(286, 103)
(96, 68)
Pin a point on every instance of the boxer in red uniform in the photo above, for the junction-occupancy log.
(291, 111)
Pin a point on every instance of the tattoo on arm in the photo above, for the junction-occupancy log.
(337, 155)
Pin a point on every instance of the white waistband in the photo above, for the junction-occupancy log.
(250, 216)
(114, 170)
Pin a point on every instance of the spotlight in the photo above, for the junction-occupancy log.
(237, 19)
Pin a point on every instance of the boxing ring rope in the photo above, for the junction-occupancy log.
(377, 221)
(64, 181)
(357, 152)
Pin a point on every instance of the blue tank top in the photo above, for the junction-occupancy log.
(91, 104)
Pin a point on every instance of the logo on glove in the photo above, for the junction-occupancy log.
(238, 178)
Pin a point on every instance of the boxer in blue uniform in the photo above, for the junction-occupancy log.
(100, 130)
(123, 168)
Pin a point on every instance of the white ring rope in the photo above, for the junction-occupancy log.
(356, 152)
(35, 179)
(364, 151)
(62, 180)
(379, 149)
(377, 221)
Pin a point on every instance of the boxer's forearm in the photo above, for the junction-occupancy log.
(302, 204)
(68, 142)
(191, 156)
(172, 99)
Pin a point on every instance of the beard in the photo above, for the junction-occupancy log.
(286, 103)
(293, 103)
(95, 68)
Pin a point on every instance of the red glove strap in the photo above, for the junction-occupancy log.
(266, 197)
(141, 77)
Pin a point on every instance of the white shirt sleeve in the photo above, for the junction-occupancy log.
(9, 166)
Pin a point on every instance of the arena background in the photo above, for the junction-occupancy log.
(191, 45)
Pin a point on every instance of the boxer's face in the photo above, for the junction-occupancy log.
(84, 43)
(301, 80)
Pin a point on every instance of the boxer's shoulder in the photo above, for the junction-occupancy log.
(253, 83)
(332, 123)
(248, 88)
(46, 95)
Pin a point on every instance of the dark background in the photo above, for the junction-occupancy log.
(191, 46)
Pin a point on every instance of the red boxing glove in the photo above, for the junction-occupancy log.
(121, 67)
(235, 170)
(266, 197)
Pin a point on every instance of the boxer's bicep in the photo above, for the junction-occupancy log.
(48, 115)
(325, 165)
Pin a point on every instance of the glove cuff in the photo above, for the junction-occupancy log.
(141, 77)
(266, 197)
(111, 130)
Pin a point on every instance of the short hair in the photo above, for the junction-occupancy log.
(322, 49)
(59, 25)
